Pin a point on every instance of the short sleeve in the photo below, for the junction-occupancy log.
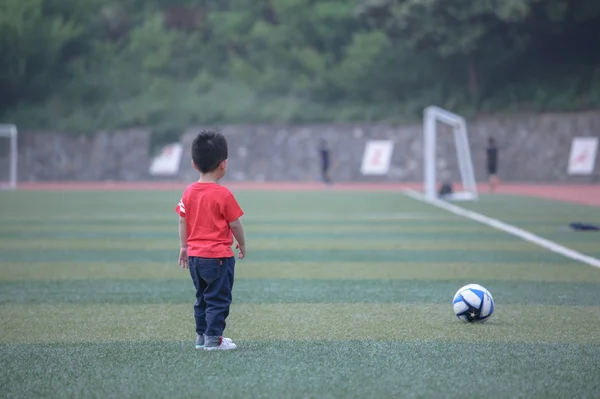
(232, 210)
(180, 208)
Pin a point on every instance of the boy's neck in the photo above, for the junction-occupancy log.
(208, 178)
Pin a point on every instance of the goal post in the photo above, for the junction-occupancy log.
(9, 157)
(431, 116)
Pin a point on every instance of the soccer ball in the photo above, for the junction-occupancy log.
(473, 304)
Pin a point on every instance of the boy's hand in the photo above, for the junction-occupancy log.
(183, 258)
(242, 249)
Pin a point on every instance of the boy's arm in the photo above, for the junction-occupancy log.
(183, 255)
(238, 233)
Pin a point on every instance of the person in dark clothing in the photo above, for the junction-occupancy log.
(325, 158)
(492, 163)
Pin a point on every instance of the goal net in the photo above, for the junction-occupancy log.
(432, 117)
(8, 157)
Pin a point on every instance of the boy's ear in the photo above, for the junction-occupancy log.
(194, 165)
(223, 164)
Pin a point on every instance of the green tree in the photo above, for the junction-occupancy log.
(485, 36)
(32, 46)
(83, 65)
(456, 28)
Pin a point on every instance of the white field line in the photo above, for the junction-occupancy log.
(525, 235)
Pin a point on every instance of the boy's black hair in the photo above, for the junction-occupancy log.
(209, 149)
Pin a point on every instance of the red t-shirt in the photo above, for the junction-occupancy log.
(208, 208)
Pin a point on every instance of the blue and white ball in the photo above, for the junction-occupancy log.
(473, 304)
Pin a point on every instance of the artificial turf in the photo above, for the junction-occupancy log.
(342, 295)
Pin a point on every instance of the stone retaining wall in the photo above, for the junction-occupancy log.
(533, 148)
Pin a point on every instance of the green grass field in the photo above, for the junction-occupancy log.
(342, 295)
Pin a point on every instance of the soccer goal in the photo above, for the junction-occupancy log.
(8, 157)
(433, 115)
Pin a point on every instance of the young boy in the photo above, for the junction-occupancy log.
(209, 217)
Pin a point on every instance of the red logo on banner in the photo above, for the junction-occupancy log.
(581, 157)
(376, 157)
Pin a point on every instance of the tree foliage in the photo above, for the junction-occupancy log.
(83, 65)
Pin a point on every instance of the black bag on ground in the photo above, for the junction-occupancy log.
(445, 189)
(583, 226)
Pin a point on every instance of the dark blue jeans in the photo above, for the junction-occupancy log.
(213, 279)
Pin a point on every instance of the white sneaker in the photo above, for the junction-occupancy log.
(201, 339)
(225, 345)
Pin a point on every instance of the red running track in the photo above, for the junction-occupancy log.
(581, 194)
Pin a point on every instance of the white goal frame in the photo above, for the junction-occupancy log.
(431, 116)
(10, 131)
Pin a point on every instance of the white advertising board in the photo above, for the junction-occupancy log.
(168, 161)
(583, 155)
(377, 157)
